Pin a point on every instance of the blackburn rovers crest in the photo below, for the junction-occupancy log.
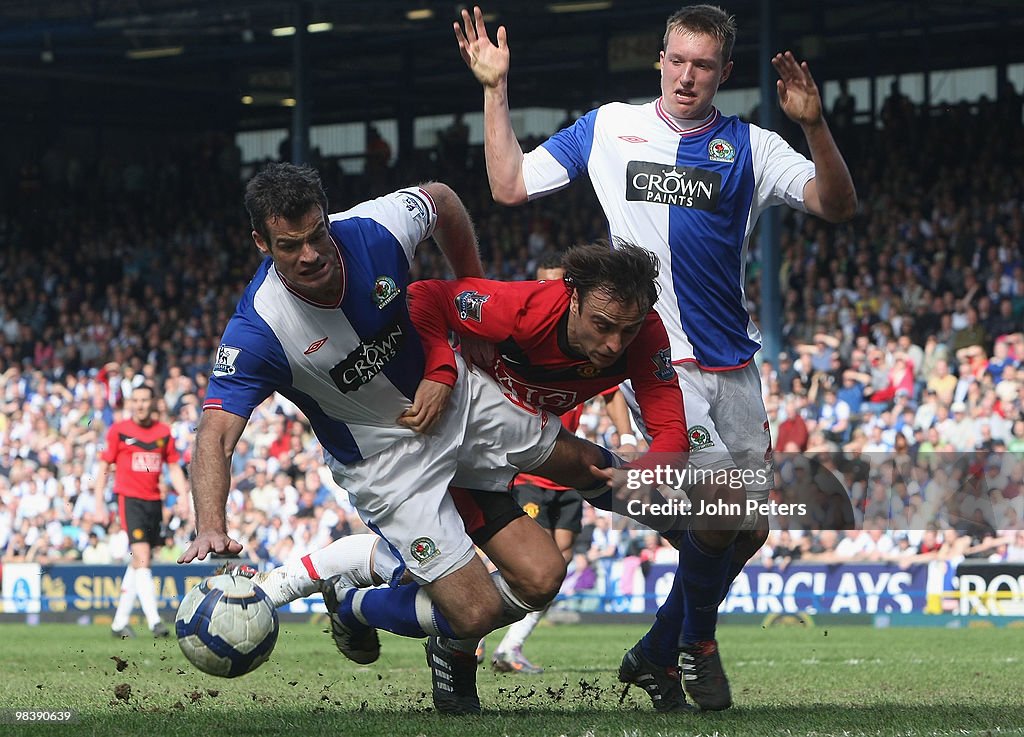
(700, 438)
(384, 291)
(721, 150)
(424, 549)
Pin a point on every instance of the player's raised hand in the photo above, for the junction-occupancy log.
(489, 63)
(798, 94)
(427, 407)
(210, 542)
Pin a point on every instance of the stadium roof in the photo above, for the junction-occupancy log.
(189, 63)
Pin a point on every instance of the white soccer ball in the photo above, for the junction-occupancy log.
(226, 626)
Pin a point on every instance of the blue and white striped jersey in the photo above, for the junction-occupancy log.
(690, 196)
(352, 367)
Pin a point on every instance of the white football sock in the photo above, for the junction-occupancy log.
(127, 601)
(147, 595)
(519, 631)
(348, 558)
(284, 584)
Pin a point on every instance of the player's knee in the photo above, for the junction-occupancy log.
(543, 583)
(141, 555)
(539, 583)
(759, 535)
(476, 616)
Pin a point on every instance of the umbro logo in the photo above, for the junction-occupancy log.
(633, 139)
(315, 346)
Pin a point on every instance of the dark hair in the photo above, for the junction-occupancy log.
(706, 20)
(282, 190)
(550, 260)
(149, 387)
(627, 273)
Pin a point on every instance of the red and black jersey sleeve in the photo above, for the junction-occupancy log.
(425, 313)
(486, 309)
(657, 387)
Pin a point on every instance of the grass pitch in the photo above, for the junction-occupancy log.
(786, 681)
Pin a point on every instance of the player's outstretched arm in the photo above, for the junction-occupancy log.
(178, 481)
(454, 233)
(490, 65)
(216, 438)
(99, 491)
(618, 412)
(831, 194)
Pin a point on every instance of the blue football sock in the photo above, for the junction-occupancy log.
(703, 573)
(661, 643)
(603, 501)
(674, 537)
(394, 610)
(733, 570)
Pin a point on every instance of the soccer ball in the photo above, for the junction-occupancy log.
(226, 626)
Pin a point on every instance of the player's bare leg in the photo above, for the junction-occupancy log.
(508, 657)
(138, 582)
(536, 578)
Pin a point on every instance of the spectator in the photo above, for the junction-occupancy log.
(792, 434)
(784, 549)
(942, 382)
(960, 432)
(581, 579)
(973, 334)
(834, 417)
(843, 109)
(605, 539)
(96, 552)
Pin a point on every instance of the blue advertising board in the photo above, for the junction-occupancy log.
(84, 588)
(847, 588)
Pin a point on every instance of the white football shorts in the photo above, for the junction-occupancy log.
(727, 423)
(482, 441)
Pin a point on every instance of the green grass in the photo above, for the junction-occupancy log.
(786, 681)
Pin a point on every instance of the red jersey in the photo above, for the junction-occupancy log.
(139, 454)
(534, 362)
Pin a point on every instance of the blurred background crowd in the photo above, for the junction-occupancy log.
(902, 331)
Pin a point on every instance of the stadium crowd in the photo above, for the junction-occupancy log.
(902, 372)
